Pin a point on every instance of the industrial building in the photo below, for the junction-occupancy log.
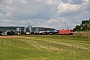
(23, 30)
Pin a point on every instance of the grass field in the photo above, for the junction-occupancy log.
(45, 47)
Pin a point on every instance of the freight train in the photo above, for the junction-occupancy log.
(58, 32)
(50, 32)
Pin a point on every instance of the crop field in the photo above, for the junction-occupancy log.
(45, 47)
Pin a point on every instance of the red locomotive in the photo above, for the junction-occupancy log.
(65, 32)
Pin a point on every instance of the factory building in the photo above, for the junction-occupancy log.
(22, 30)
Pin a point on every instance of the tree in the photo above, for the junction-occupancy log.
(84, 26)
(77, 28)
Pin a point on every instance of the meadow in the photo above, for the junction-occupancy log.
(45, 47)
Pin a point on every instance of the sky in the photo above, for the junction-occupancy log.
(58, 14)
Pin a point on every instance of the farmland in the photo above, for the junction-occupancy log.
(45, 47)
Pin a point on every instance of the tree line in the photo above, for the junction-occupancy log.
(84, 26)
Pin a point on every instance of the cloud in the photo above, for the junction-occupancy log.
(76, 1)
(72, 9)
(59, 14)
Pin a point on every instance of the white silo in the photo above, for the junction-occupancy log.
(24, 29)
(17, 29)
(30, 28)
(37, 30)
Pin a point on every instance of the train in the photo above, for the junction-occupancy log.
(58, 32)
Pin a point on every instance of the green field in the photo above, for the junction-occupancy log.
(45, 47)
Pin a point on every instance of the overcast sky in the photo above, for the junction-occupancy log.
(58, 14)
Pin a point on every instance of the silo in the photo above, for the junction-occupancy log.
(30, 28)
(24, 29)
(18, 29)
(37, 30)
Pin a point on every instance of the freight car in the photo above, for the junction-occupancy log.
(65, 32)
(49, 32)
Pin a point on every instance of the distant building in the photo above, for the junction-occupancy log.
(30, 28)
(18, 29)
(8, 32)
(25, 29)
(4, 33)
(36, 31)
